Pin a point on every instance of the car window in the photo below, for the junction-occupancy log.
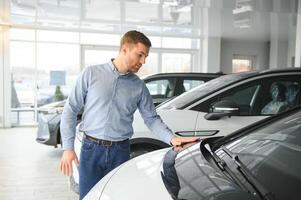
(258, 98)
(272, 154)
(161, 88)
(246, 96)
(189, 84)
(283, 95)
(204, 89)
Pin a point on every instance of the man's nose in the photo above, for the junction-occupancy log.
(142, 60)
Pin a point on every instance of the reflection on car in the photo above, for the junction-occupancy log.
(161, 86)
(252, 163)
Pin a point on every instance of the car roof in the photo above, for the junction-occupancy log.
(280, 70)
(219, 83)
(267, 71)
(182, 74)
(249, 74)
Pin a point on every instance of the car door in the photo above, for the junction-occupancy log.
(250, 97)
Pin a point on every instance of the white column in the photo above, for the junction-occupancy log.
(278, 44)
(211, 45)
(298, 37)
(5, 77)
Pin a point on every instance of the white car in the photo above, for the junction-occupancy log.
(221, 106)
(253, 163)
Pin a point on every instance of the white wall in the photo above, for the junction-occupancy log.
(298, 37)
(292, 44)
(1, 68)
(279, 36)
(5, 89)
(1, 81)
(278, 54)
(231, 47)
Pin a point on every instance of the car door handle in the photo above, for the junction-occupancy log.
(196, 133)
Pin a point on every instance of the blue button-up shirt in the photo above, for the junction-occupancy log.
(109, 100)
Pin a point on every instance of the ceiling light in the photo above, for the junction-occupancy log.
(243, 9)
(150, 1)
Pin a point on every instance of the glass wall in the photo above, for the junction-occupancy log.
(51, 41)
(37, 57)
(46, 58)
(23, 82)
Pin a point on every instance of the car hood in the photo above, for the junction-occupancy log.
(168, 174)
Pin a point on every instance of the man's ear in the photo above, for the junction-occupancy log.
(125, 48)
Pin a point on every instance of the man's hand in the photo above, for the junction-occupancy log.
(66, 162)
(179, 141)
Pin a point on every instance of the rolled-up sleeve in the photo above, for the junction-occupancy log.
(72, 107)
(151, 119)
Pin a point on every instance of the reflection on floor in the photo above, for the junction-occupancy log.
(29, 170)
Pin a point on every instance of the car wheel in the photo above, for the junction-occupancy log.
(58, 137)
(137, 151)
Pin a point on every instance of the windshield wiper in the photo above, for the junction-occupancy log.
(222, 165)
(252, 180)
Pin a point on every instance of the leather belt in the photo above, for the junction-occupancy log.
(106, 143)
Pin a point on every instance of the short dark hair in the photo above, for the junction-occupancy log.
(134, 37)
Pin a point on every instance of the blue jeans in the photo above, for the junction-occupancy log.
(96, 161)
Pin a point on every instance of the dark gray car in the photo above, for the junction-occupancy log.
(162, 87)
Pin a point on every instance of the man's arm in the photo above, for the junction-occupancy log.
(72, 107)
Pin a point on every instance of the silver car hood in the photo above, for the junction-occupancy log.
(166, 174)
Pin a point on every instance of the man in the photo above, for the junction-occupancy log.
(110, 94)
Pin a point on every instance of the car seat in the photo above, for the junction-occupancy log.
(278, 103)
(292, 96)
(170, 89)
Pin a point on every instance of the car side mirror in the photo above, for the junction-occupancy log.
(221, 109)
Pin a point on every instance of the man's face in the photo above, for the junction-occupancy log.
(135, 56)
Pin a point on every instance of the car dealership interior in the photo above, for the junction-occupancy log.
(202, 52)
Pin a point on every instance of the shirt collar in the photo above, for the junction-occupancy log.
(113, 67)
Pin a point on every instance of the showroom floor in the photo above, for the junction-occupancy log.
(29, 170)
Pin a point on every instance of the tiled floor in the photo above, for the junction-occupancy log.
(29, 170)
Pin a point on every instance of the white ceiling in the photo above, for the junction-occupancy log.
(254, 20)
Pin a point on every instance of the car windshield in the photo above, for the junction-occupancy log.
(203, 90)
(271, 155)
(187, 175)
